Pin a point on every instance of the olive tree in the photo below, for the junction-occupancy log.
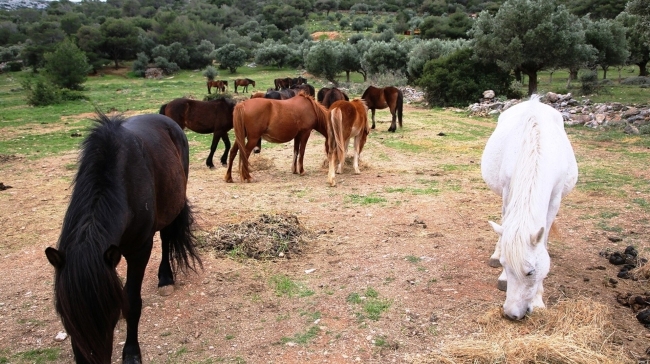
(608, 38)
(230, 57)
(530, 36)
(323, 60)
(638, 43)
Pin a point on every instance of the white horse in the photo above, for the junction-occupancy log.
(529, 162)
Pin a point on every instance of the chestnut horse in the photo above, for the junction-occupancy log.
(244, 82)
(381, 98)
(221, 85)
(131, 183)
(204, 117)
(276, 121)
(281, 83)
(348, 119)
(328, 95)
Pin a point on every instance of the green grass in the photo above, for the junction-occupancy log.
(371, 305)
(36, 356)
(303, 338)
(364, 200)
(285, 286)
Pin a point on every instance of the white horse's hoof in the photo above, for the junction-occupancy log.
(494, 263)
(166, 290)
(502, 285)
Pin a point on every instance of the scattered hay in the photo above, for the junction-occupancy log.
(573, 331)
(261, 163)
(6, 158)
(268, 236)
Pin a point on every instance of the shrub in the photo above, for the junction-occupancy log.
(167, 66)
(140, 65)
(460, 79)
(42, 93)
(589, 80)
(210, 73)
(13, 66)
(640, 80)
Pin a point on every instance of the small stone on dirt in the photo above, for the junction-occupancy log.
(60, 336)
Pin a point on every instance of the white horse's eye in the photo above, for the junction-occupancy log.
(530, 273)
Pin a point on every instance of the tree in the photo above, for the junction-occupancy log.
(326, 5)
(529, 36)
(43, 37)
(638, 42)
(597, 8)
(273, 54)
(431, 49)
(323, 60)
(67, 66)
(231, 57)
(382, 57)
(461, 78)
(642, 9)
(350, 60)
(91, 40)
(608, 38)
(121, 40)
(71, 22)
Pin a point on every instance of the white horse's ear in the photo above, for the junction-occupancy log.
(496, 227)
(539, 237)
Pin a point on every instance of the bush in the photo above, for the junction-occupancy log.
(589, 80)
(13, 67)
(43, 93)
(140, 65)
(210, 73)
(460, 79)
(640, 80)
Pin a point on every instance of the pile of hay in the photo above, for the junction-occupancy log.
(268, 236)
(573, 331)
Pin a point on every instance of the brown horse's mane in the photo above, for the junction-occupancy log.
(320, 111)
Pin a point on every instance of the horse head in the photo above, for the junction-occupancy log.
(526, 263)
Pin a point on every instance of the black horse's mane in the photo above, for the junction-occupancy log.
(87, 285)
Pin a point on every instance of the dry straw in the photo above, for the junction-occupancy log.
(571, 332)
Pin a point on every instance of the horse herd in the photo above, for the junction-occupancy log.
(133, 175)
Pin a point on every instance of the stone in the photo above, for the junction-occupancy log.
(488, 94)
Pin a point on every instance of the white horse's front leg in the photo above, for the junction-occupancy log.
(357, 152)
(502, 283)
(537, 301)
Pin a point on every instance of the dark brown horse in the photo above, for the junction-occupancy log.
(381, 98)
(299, 81)
(348, 119)
(276, 121)
(282, 83)
(309, 89)
(221, 85)
(328, 95)
(204, 117)
(244, 82)
(131, 183)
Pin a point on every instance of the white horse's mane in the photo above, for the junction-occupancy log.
(519, 221)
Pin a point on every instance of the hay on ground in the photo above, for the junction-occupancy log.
(268, 236)
(573, 331)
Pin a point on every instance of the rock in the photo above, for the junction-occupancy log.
(631, 129)
(60, 336)
(488, 94)
(552, 97)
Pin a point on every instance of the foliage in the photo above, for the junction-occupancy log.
(453, 26)
(589, 80)
(461, 78)
(210, 73)
(67, 66)
(42, 93)
(273, 54)
(638, 42)
(323, 60)
(121, 41)
(608, 38)
(167, 66)
(381, 57)
(140, 65)
(427, 50)
(230, 56)
(530, 36)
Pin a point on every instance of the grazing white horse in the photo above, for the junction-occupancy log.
(529, 162)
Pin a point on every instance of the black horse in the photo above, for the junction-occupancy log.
(328, 95)
(204, 117)
(131, 183)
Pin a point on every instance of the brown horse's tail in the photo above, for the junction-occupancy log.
(240, 138)
(335, 141)
(162, 109)
(399, 106)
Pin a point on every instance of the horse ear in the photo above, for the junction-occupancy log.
(55, 257)
(539, 237)
(496, 227)
(112, 256)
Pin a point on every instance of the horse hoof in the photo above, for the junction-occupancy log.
(131, 359)
(494, 263)
(166, 290)
(502, 285)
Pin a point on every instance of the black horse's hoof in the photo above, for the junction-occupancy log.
(131, 359)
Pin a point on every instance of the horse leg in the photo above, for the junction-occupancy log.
(226, 143)
(502, 282)
(393, 124)
(358, 146)
(248, 149)
(209, 88)
(258, 147)
(136, 265)
(373, 118)
(331, 176)
(339, 168)
(296, 151)
(213, 147)
(233, 154)
(303, 147)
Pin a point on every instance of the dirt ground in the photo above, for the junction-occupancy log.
(407, 228)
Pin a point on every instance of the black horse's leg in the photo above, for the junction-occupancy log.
(213, 147)
(226, 143)
(165, 273)
(373, 118)
(136, 265)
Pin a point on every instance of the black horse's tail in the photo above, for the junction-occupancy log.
(400, 106)
(182, 242)
(162, 109)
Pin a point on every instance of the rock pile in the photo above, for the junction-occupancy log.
(575, 112)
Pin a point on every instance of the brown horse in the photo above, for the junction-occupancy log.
(219, 84)
(309, 89)
(204, 117)
(281, 83)
(381, 98)
(244, 82)
(328, 95)
(276, 121)
(348, 119)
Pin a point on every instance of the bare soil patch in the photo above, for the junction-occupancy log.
(409, 233)
(328, 35)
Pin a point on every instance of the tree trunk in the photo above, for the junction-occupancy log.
(532, 82)
(605, 72)
(518, 75)
(550, 81)
(643, 71)
(347, 76)
(116, 62)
